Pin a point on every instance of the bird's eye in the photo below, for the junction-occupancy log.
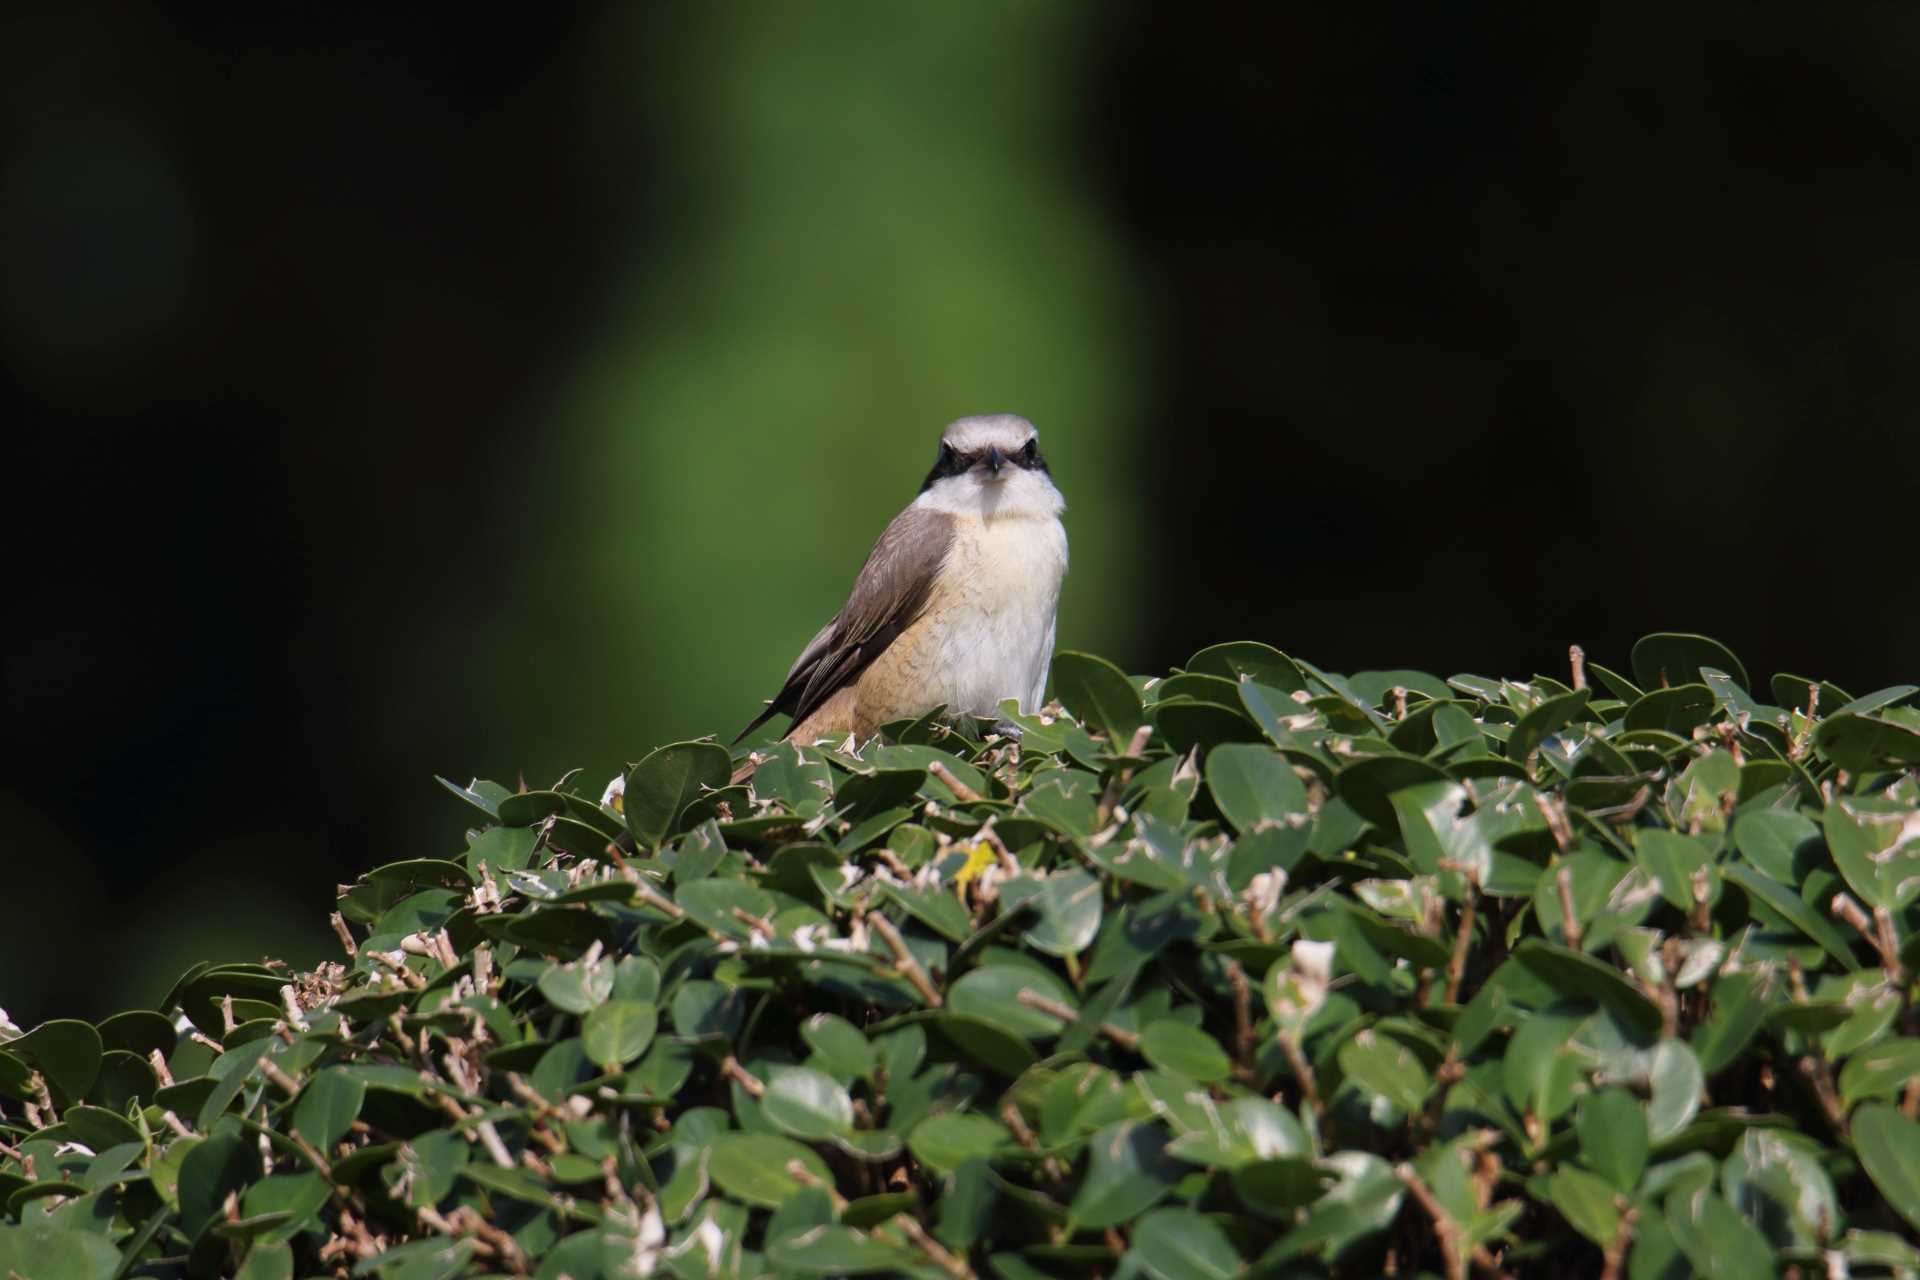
(1028, 450)
(946, 455)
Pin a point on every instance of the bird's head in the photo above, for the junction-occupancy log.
(993, 460)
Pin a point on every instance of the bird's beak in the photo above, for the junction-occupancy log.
(995, 459)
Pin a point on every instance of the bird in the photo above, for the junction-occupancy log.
(956, 605)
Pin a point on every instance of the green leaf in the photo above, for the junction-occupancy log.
(670, 778)
(1574, 973)
(327, 1106)
(1739, 1007)
(938, 909)
(138, 1031)
(718, 904)
(577, 987)
(267, 1260)
(1879, 1070)
(1544, 720)
(1776, 1180)
(46, 1251)
(1671, 859)
(946, 1141)
(968, 1202)
(988, 1044)
(1796, 911)
(1889, 1147)
(753, 1167)
(1069, 905)
(224, 1163)
(1716, 1239)
(1384, 1066)
(1670, 658)
(702, 1008)
(1363, 1202)
(1772, 840)
(1675, 1081)
(1865, 743)
(842, 1049)
(1612, 1129)
(1544, 1063)
(1678, 711)
(618, 1032)
(1099, 695)
(1876, 844)
(807, 1104)
(501, 849)
(993, 993)
(1184, 1050)
(831, 1249)
(1278, 1188)
(1233, 1135)
(1179, 1244)
(99, 1128)
(1249, 660)
(1586, 1202)
(1128, 1172)
(1253, 785)
(66, 1050)
(432, 1162)
(699, 853)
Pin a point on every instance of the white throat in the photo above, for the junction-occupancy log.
(1018, 495)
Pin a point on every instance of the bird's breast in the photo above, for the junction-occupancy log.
(990, 623)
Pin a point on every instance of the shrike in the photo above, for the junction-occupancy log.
(956, 603)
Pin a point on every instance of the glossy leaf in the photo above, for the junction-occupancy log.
(1889, 1147)
(807, 1104)
(755, 1167)
(1099, 694)
(670, 778)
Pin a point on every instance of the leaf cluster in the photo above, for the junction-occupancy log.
(1254, 969)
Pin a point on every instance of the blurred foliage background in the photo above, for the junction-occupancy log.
(397, 395)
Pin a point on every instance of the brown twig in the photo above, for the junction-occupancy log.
(1798, 747)
(1054, 1009)
(903, 960)
(1615, 1253)
(491, 1240)
(339, 923)
(1453, 1245)
(951, 780)
(1462, 943)
(1889, 946)
(808, 1178)
(938, 1253)
(659, 901)
(1569, 920)
(762, 927)
(1242, 1014)
(1302, 1069)
(286, 1083)
(1820, 1076)
(731, 1068)
(1577, 659)
(1023, 1134)
(1555, 815)
(1008, 863)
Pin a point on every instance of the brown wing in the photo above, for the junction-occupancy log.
(888, 597)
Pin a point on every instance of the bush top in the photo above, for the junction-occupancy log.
(1252, 969)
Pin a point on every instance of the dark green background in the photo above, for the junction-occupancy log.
(498, 395)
